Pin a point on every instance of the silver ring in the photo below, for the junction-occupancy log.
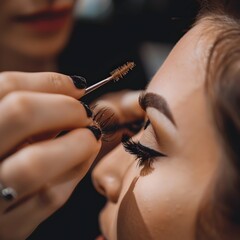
(7, 193)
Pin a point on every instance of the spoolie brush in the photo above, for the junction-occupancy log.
(115, 75)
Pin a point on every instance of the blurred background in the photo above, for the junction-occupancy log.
(155, 25)
(107, 34)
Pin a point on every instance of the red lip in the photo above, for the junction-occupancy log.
(101, 237)
(46, 20)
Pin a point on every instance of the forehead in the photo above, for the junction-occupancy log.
(181, 79)
(183, 72)
(181, 82)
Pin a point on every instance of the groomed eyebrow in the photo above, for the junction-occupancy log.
(156, 101)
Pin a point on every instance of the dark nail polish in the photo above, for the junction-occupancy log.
(96, 131)
(88, 110)
(79, 82)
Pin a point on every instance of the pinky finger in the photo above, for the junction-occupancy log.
(25, 218)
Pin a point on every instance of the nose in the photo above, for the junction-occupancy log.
(108, 174)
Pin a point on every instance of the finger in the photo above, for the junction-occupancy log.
(48, 82)
(25, 114)
(32, 167)
(28, 215)
(77, 172)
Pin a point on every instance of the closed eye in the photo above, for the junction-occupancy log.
(144, 155)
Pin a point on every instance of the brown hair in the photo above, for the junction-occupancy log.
(227, 7)
(219, 216)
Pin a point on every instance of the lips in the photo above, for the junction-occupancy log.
(45, 20)
(101, 237)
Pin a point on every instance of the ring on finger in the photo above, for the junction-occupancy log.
(7, 193)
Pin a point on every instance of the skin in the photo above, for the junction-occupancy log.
(164, 203)
(25, 48)
(34, 108)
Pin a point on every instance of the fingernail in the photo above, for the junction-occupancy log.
(79, 82)
(88, 110)
(7, 193)
(96, 131)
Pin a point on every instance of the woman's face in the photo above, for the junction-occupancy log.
(35, 28)
(163, 202)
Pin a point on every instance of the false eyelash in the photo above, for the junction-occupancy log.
(147, 124)
(107, 122)
(144, 155)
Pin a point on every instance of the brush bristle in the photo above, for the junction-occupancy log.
(122, 71)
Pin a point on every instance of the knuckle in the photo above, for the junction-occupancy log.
(24, 170)
(51, 199)
(27, 166)
(18, 105)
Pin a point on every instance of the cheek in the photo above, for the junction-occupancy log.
(157, 206)
(130, 221)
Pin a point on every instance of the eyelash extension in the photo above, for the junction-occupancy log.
(147, 124)
(108, 125)
(144, 155)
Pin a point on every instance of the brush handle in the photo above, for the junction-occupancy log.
(97, 85)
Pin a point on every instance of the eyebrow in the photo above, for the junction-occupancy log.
(156, 101)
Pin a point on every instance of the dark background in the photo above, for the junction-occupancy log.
(97, 47)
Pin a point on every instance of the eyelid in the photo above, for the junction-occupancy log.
(165, 133)
(144, 155)
(153, 100)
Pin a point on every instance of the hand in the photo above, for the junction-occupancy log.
(42, 170)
